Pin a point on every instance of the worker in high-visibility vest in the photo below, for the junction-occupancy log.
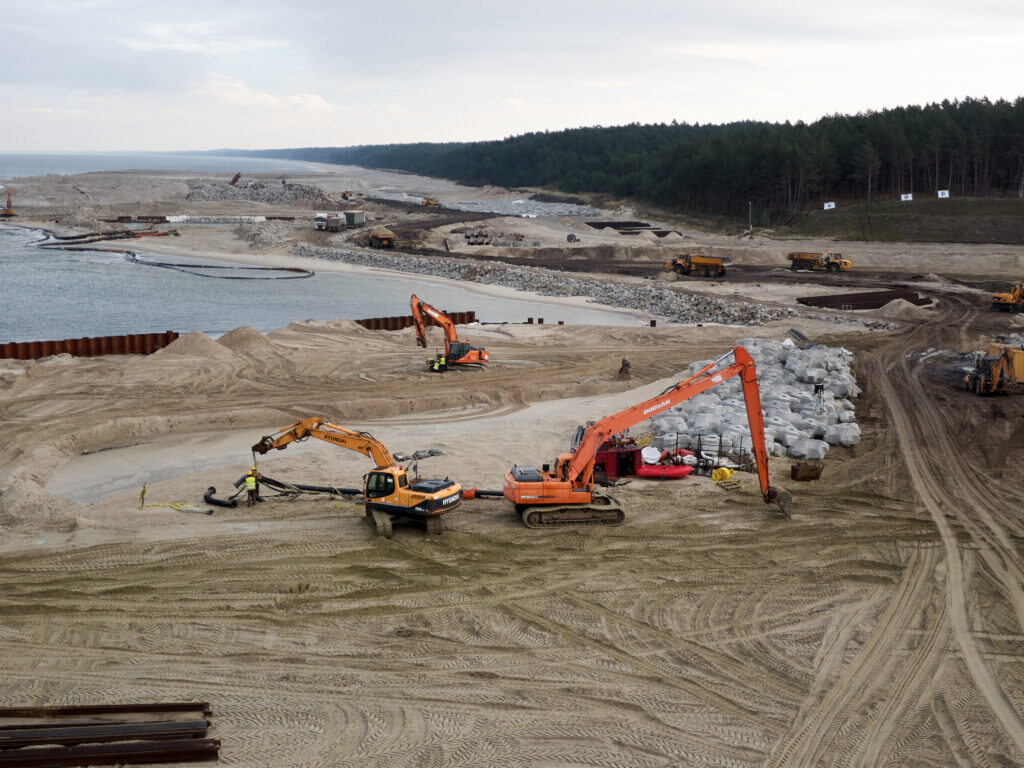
(252, 485)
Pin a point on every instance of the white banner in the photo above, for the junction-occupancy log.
(905, 198)
(943, 193)
(829, 206)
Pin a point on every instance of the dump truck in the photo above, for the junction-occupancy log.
(320, 220)
(1011, 301)
(335, 222)
(382, 238)
(689, 263)
(830, 262)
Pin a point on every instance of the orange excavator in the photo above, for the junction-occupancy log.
(566, 494)
(456, 352)
(388, 491)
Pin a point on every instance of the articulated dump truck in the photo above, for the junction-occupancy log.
(830, 262)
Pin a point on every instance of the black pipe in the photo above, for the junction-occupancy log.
(209, 498)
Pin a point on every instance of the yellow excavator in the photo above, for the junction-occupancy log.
(991, 374)
(388, 491)
(1012, 301)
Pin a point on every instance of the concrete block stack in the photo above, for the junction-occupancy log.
(799, 421)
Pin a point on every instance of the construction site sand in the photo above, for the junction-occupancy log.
(704, 631)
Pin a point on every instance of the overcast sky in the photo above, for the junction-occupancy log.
(142, 75)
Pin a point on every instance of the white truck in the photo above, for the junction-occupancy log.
(320, 220)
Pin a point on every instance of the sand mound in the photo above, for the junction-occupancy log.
(247, 340)
(196, 344)
(901, 309)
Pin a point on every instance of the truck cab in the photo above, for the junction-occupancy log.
(320, 220)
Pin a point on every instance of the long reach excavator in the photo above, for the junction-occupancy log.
(456, 352)
(388, 491)
(565, 494)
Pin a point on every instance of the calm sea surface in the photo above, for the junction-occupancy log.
(18, 164)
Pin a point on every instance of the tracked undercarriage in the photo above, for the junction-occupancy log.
(602, 510)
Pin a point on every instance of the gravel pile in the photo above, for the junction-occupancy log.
(259, 192)
(675, 307)
(267, 234)
(503, 206)
(798, 421)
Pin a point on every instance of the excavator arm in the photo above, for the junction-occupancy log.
(361, 442)
(418, 308)
(580, 467)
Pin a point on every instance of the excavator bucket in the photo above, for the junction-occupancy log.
(782, 499)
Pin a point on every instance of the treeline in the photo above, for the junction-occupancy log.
(972, 147)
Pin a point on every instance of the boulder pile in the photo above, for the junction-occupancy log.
(675, 307)
(806, 397)
(259, 192)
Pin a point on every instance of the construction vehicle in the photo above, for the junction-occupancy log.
(320, 220)
(388, 491)
(991, 374)
(832, 261)
(382, 238)
(1016, 354)
(456, 352)
(235, 178)
(1012, 301)
(429, 201)
(335, 222)
(688, 263)
(8, 212)
(565, 493)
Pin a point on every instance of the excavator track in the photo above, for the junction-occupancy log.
(381, 522)
(603, 510)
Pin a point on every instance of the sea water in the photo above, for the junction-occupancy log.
(63, 294)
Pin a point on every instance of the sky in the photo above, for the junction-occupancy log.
(104, 75)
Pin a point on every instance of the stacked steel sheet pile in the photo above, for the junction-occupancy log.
(41, 737)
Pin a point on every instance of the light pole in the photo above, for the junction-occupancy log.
(750, 217)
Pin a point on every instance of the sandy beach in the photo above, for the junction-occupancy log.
(881, 625)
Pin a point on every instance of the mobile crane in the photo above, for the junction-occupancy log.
(566, 494)
(388, 491)
(455, 352)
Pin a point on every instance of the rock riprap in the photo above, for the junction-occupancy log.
(806, 397)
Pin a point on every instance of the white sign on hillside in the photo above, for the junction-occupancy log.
(905, 198)
(829, 206)
(943, 193)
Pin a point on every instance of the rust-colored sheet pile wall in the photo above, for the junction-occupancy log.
(132, 344)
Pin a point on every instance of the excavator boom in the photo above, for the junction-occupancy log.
(361, 442)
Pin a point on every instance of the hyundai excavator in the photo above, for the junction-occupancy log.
(388, 491)
(455, 352)
(565, 494)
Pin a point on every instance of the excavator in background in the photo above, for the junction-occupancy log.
(234, 179)
(388, 491)
(8, 212)
(456, 352)
(1013, 301)
(991, 374)
(565, 494)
